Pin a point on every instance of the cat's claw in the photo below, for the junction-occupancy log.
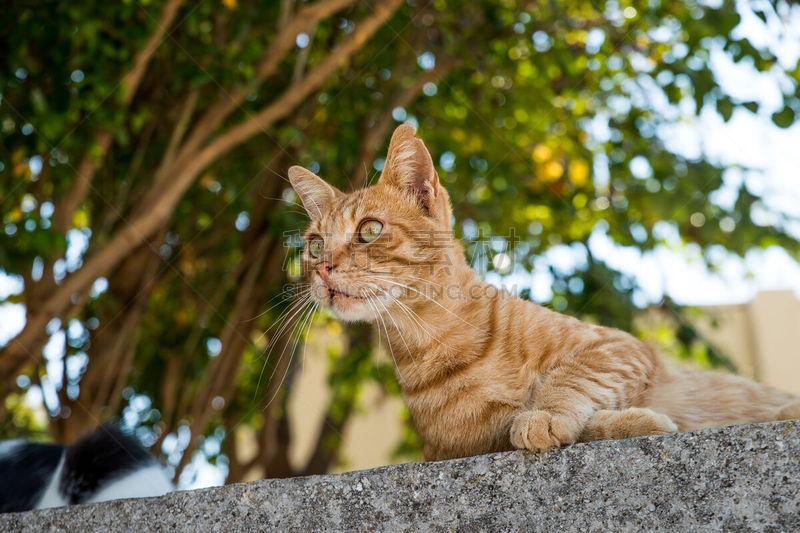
(540, 431)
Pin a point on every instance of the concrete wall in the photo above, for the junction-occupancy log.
(741, 478)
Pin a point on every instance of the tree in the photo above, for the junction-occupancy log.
(161, 136)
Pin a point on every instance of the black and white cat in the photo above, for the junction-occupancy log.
(103, 465)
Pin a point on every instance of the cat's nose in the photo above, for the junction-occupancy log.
(324, 268)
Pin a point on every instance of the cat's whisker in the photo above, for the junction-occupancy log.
(291, 323)
(301, 308)
(405, 276)
(406, 310)
(278, 323)
(289, 204)
(375, 174)
(395, 265)
(306, 295)
(360, 199)
(284, 320)
(409, 312)
(366, 173)
(388, 341)
(418, 321)
(307, 328)
(402, 285)
(265, 354)
(402, 338)
(305, 341)
(399, 331)
(437, 303)
(394, 300)
(297, 211)
(278, 174)
(284, 291)
(369, 297)
(284, 200)
(370, 302)
(305, 321)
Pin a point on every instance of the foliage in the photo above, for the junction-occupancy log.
(545, 120)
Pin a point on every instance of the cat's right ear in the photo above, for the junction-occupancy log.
(315, 193)
(409, 167)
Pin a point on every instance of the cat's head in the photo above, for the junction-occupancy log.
(374, 249)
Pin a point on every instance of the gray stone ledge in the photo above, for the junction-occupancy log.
(729, 479)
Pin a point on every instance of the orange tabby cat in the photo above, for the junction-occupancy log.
(480, 369)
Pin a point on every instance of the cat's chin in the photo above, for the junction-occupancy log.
(355, 312)
(348, 309)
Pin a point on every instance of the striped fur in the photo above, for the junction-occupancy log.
(480, 369)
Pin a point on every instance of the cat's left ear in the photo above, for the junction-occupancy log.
(409, 166)
(315, 193)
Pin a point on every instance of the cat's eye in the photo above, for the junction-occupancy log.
(315, 247)
(369, 230)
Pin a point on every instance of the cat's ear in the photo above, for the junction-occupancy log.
(409, 166)
(314, 192)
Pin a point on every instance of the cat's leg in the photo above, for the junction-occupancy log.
(626, 423)
(539, 430)
(575, 390)
(559, 414)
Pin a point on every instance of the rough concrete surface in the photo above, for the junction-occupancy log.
(730, 479)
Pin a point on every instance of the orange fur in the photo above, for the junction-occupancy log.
(480, 369)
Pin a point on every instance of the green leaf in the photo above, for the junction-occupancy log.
(725, 108)
(752, 106)
(784, 118)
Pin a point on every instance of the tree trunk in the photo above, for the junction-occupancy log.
(331, 430)
(111, 348)
(162, 199)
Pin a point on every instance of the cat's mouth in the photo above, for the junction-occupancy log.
(333, 294)
(348, 306)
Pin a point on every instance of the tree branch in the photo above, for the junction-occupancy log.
(28, 343)
(130, 82)
(304, 20)
(180, 127)
(292, 97)
(133, 78)
(374, 136)
(162, 200)
(222, 372)
(285, 13)
(302, 60)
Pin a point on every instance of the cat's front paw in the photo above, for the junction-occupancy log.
(653, 423)
(540, 430)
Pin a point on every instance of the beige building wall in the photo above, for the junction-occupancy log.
(370, 436)
(762, 338)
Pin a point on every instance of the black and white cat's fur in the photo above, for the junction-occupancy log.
(103, 465)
